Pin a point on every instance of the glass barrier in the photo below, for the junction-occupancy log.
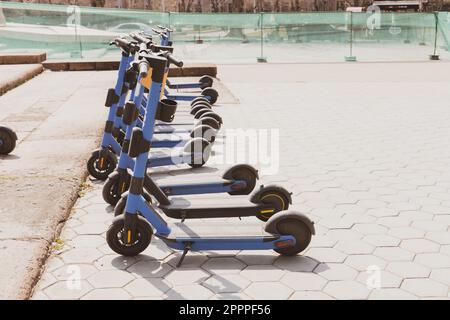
(84, 33)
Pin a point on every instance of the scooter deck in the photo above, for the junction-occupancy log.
(192, 208)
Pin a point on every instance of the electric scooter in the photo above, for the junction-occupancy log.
(288, 232)
(8, 140)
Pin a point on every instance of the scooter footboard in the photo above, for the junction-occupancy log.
(228, 243)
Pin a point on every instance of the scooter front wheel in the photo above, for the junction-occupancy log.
(114, 237)
(112, 190)
(101, 164)
(7, 140)
(299, 231)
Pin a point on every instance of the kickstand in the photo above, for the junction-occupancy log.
(187, 247)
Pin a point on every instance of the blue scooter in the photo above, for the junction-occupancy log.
(288, 232)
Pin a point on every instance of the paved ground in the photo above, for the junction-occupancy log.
(13, 75)
(363, 147)
(57, 117)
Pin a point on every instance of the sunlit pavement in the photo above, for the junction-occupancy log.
(363, 148)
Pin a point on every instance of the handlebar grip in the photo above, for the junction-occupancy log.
(139, 38)
(174, 61)
(122, 43)
(143, 69)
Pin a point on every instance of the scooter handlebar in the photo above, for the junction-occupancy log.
(164, 28)
(174, 61)
(143, 69)
(140, 38)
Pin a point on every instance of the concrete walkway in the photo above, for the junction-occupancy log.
(363, 147)
(13, 75)
(57, 117)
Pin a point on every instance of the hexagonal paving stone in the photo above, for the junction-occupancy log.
(191, 261)
(150, 269)
(309, 295)
(262, 273)
(268, 291)
(150, 287)
(107, 294)
(83, 271)
(39, 296)
(406, 233)
(386, 280)
(300, 281)
(420, 245)
(46, 280)
(68, 290)
(110, 279)
(81, 255)
(381, 240)
(425, 287)
(370, 228)
(391, 294)
(226, 283)
(364, 261)
(441, 275)
(114, 262)
(346, 290)
(335, 271)
(296, 263)
(354, 247)
(91, 228)
(394, 254)
(251, 257)
(344, 234)
(187, 276)
(408, 269)
(433, 260)
(441, 237)
(325, 255)
(157, 250)
(87, 241)
(223, 265)
(445, 250)
(190, 292)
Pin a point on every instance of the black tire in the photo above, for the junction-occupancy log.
(197, 144)
(277, 199)
(206, 81)
(205, 132)
(120, 205)
(112, 191)
(199, 99)
(198, 107)
(199, 113)
(108, 166)
(212, 114)
(144, 237)
(248, 176)
(211, 93)
(7, 140)
(202, 103)
(299, 231)
(208, 121)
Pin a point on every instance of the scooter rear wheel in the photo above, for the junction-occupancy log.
(7, 140)
(208, 121)
(200, 99)
(299, 231)
(246, 175)
(143, 238)
(212, 114)
(199, 107)
(277, 200)
(101, 168)
(206, 81)
(205, 132)
(197, 152)
(211, 93)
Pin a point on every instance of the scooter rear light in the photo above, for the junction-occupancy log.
(284, 243)
(238, 186)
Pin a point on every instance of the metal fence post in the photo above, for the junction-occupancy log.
(435, 56)
(261, 57)
(351, 57)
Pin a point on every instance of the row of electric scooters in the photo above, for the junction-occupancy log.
(144, 115)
